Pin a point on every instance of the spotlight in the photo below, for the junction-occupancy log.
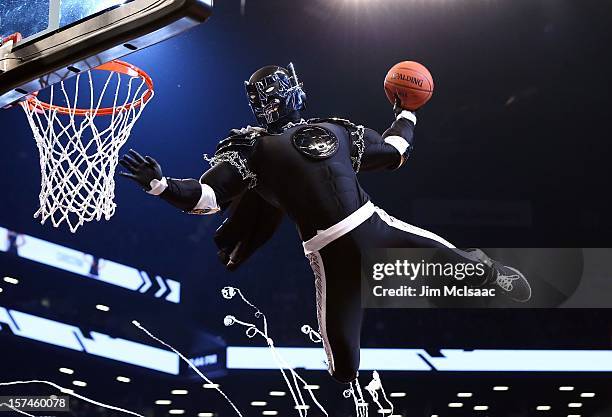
(206, 414)
(211, 386)
(79, 383)
(543, 407)
(270, 413)
(259, 403)
(1, 289)
(102, 307)
(11, 280)
(179, 392)
(501, 388)
(464, 394)
(566, 388)
(384, 411)
(302, 407)
(574, 405)
(123, 379)
(277, 393)
(455, 405)
(163, 402)
(311, 387)
(176, 411)
(66, 371)
(481, 407)
(587, 394)
(397, 394)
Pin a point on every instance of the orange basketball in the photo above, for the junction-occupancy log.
(411, 82)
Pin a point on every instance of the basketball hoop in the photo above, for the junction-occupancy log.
(79, 145)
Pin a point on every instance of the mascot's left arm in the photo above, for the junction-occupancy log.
(391, 149)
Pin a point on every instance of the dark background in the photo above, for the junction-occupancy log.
(512, 151)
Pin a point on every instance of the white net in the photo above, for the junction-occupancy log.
(79, 149)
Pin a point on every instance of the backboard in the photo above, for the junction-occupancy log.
(64, 37)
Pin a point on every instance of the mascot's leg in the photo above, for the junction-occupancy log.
(339, 313)
(393, 233)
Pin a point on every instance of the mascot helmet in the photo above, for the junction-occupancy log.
(274, 93)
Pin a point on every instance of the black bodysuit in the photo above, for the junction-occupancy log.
(309, 171)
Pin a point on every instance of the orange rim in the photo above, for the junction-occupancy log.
(116, 66)
(15, 37)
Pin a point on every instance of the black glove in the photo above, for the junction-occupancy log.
(142, 170)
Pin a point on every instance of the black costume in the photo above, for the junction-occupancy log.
(307, 170)
(320, 159)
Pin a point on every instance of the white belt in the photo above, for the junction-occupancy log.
(325, 237)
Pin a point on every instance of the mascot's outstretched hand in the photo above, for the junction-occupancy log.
(144, 170)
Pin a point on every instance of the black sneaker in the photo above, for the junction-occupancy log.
(510, 280)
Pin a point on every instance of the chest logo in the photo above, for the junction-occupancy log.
(315, 142)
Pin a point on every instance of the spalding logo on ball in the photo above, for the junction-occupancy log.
(411, 82)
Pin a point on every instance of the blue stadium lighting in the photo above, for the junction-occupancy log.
(452, 360)
(11, 280)
(98, 344)
(543, 408)
(87, 266)
(179, 392)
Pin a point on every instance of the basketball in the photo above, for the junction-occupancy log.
(411, 82)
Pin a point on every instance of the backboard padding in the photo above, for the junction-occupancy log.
(110, 34)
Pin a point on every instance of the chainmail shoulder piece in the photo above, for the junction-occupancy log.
(237, 161)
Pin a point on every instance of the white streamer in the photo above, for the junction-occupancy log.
(71, 393)
(191, 365)
(252, 331)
